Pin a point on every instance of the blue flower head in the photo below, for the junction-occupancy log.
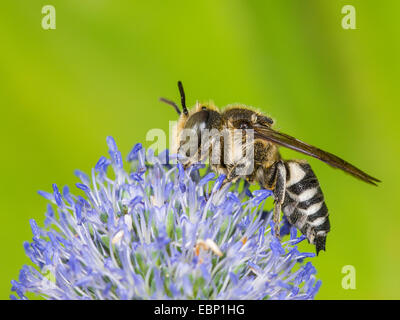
(157, 231)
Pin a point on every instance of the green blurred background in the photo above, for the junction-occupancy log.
(103, 69)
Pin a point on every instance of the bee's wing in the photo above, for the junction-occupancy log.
(287, 141)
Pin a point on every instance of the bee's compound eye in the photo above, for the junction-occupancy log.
(203, 108)
(198, 122)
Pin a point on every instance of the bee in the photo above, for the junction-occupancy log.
(296, 190)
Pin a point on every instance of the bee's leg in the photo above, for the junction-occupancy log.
(276, 218)
(232, 175)
(187, 165)
(279, 189)
(197, 157)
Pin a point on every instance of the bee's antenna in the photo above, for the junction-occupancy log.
(172, 104)
(183, 101)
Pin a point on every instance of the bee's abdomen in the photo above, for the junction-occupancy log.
(304, 204)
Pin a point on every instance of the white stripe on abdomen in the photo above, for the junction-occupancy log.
(296, 173)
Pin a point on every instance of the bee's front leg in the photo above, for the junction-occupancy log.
(231, 176)
(189, 161)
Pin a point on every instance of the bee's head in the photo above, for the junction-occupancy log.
(203, 117)
(241, 117)
(194, 123)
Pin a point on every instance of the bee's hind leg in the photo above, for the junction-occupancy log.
(278, 170)
(276, 218)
